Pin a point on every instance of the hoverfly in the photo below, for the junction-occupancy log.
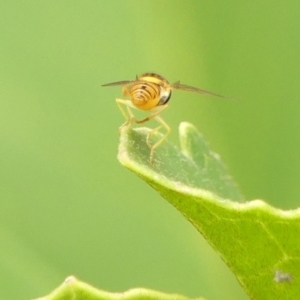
(150, 92)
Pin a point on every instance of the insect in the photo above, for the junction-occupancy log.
(150, 92)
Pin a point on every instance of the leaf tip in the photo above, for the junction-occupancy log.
(185, 127)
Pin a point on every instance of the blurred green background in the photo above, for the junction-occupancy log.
(67, 205)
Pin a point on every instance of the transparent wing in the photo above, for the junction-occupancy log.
(124, 82)
(178, 86)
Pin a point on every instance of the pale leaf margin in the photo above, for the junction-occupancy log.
(73, 289)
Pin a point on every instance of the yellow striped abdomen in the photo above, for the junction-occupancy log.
(144, 95)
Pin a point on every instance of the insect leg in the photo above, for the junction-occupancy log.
(129, 115)
(168, 130)
(154, 112)
(155, 115)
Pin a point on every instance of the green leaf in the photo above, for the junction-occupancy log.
(73, 289)
(259, 243)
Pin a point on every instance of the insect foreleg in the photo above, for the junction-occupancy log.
(129, 115)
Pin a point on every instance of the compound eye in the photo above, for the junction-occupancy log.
(164, 97)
